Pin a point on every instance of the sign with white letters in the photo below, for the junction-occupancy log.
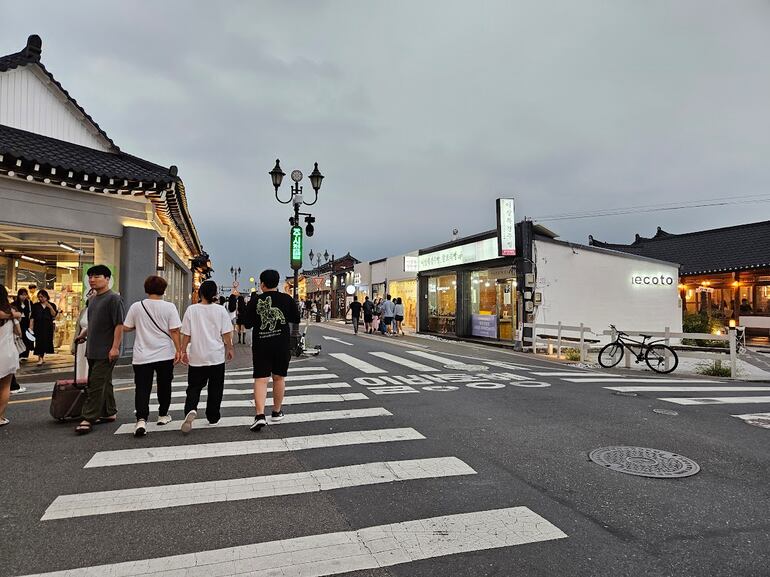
(506, 237)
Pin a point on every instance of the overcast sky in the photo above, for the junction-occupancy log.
(420, 114)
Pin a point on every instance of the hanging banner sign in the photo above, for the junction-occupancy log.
(506, 237)
(295, 247)
(160, 253)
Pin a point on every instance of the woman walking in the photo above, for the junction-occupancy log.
(209, 333)
(240, 320)
(399, 318)
(44, 313)
(9, 356)
(157, 348)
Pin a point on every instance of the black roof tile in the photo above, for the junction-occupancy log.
(64, 155)
(727, 249)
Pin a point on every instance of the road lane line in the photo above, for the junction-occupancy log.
(291, 370)
(250, 391)
(405, 362)
(347, 551)
(289, 400)
(239, 448)
(629, 380)
(290, 379)
(716, 400)
(164, 496)
(570, 374)
(686, 389)
(128, 428)
(356, 363)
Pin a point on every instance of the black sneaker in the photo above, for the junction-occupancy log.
(259, 422)
(276, 416)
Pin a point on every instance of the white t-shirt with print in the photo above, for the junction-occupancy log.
(205, 325)
(150, 344)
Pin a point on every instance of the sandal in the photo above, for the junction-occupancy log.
(83, 428)
(110, 419)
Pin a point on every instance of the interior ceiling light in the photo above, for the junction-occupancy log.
(65, 246)
(31, 259)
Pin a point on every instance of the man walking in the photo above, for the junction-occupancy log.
(388, 312)
(102, 337)
(368, 315)
(271, 314)
(355, 313)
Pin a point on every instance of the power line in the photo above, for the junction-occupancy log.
(748, 199)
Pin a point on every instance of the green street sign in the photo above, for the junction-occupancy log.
(295, 247)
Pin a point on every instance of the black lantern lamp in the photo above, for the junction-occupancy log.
(277, 175)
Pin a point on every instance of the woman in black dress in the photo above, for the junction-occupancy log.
(24, 306)
(43, 314)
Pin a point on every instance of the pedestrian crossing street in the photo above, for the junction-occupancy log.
(320, 554)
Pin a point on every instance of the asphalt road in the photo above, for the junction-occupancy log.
(498, 479)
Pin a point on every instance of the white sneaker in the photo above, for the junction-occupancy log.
(19, 390)
(4, 422)
(140, 430)
(164, 420)
(188, 422)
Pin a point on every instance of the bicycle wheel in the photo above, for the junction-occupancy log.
(611, 354)
(661, 358)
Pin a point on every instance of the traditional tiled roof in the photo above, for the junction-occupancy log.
(29, 56)
(729, 249)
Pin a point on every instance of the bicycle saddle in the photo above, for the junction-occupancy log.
(645, 336)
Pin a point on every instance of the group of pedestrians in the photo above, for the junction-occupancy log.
(202, 340)
(310, 308)
(383, 316)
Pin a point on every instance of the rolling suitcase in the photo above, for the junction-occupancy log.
(68, 397)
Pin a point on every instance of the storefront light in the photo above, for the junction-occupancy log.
(65, 246)
(681, 286)
(31, 259)
(736, 284)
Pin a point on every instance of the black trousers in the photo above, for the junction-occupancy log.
(199, 377)
(143, 381)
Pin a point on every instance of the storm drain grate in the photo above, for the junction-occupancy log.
(644, 462)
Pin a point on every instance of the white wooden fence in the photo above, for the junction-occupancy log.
(532, 343)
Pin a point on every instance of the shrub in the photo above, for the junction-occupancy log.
(700, 323)
(713, 369)
(571, 354)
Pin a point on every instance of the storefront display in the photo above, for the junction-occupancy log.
(406, 290)
(493, 304)
(442, 303)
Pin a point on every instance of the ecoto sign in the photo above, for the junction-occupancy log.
(657, 280)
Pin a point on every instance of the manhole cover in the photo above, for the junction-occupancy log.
(665, 412)
(644, 462)
(464, 367)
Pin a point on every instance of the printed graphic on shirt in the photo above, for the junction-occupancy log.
(269, 315)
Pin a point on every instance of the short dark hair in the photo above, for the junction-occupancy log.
(387, 297)
(208, 290)
(99, 270)
(22, 291)
(43, 293)
(270, 278)
(155, 285)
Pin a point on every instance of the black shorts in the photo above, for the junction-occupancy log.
(399, 318)
(270, 362)
(388, 320)
(367, 318)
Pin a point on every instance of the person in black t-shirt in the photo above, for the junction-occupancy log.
(271, 315)
(368, 315)
(355, 313)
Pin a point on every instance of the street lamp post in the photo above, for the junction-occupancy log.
(297, 201)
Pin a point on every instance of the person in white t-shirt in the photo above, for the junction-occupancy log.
(207, 341)
(157, 348)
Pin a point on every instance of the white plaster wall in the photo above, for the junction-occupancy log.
(378, 272)
(597, 289)
(364, 269)
(395, 268)
(29, 101)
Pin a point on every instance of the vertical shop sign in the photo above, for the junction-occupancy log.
(506, 237)
(160, 253)
(296, 247)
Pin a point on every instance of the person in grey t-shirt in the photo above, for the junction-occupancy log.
(104, 334)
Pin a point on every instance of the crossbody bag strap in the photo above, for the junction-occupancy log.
(153, 321)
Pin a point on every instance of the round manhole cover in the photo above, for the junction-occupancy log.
(465, 367)
(644, 462)
(665, 412)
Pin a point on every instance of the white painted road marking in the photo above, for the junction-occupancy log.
(289, 400)
(685, 389)
(338, 340)
(161, 497)
(628, 380)
(343, 552)
(317, 386)
(572, 374)
(247, 381)
(362, 366)
(239, 448)
(758, 419)
(437, 358)
(246, 421)
(291, 370)
(717, 400)
(405, 362)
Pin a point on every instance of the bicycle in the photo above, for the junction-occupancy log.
(659, 357)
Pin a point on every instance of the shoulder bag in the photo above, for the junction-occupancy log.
(153, 321)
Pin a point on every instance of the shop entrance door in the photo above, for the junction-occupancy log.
(506, 309)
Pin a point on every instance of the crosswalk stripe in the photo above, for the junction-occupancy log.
(291, 370)
(289, 400)
(250, 391)
(753, 416)
(437, 358)
(244, 421)
(289, 379)
(347, 551)
(164, 496)
(239, 448)
(716, 400)
(685, 389)
(630, 380)
(356, 363)
(405, 362)
(568, 374)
